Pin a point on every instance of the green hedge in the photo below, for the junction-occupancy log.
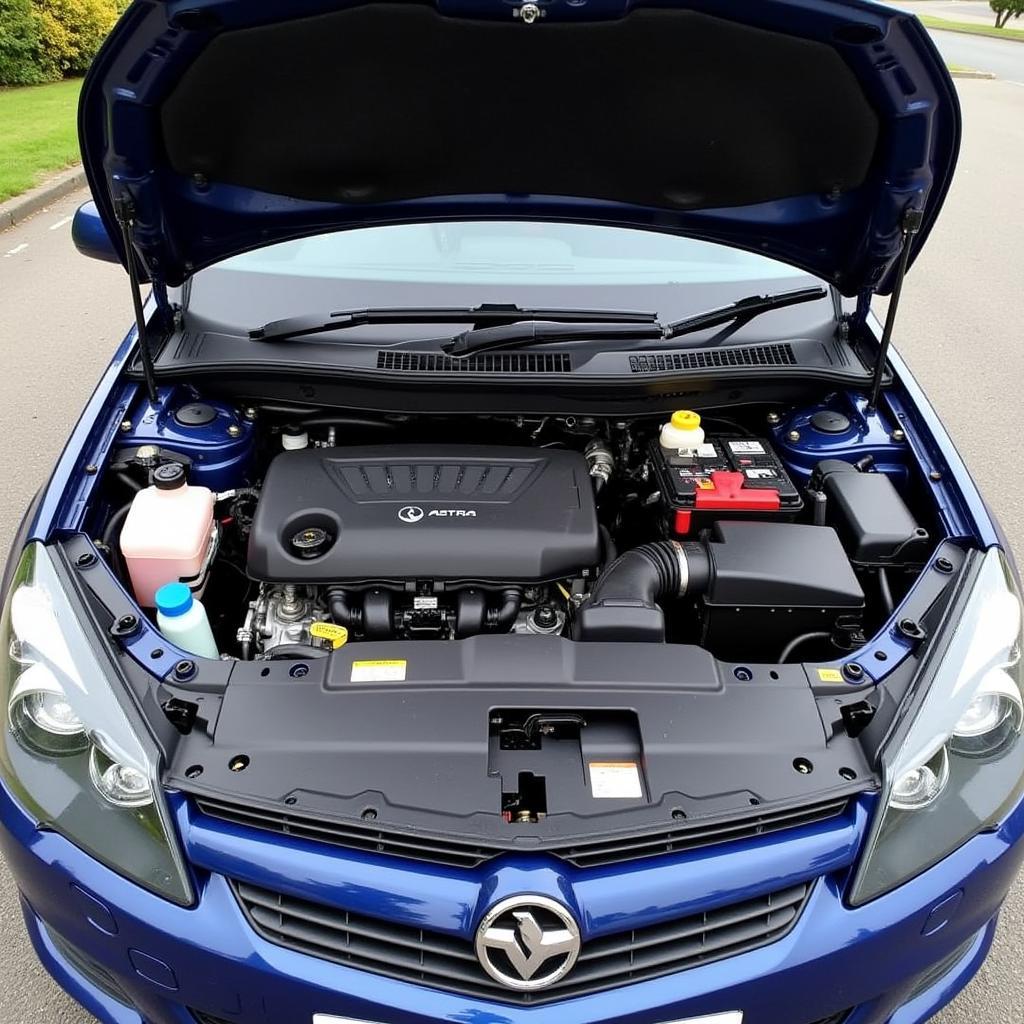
(19, 44)
(46, 40)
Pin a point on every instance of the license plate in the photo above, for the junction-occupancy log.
(732, 1017)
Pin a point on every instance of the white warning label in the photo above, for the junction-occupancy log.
(615, 780)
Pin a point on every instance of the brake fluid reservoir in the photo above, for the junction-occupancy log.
(168, 534)
(683, 432)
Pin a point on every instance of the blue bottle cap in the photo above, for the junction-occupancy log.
(173, 599)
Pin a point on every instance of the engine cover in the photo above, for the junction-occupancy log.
(424, 512)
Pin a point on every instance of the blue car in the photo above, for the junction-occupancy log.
(507, 574)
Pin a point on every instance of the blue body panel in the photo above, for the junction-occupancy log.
(220, 451)
(835, 957)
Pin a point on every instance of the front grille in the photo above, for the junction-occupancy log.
(483, 362)
(615, 848)
(780, 354)
(619, 848)
(441, 961)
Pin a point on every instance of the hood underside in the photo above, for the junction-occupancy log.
(800, 130)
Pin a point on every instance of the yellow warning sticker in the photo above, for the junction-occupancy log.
(384, 671)
(830, 675)
(706, 485)
(335, 635)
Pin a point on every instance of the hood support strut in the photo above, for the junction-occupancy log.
(124, 210)
(910, 226)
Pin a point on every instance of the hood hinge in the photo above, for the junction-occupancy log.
(124, 210)
(910, 225)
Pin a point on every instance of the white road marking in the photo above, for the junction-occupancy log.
(16, 250)
(61, 223)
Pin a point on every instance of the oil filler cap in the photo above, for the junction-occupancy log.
(311, 542)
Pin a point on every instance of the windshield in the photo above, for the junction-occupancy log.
(468, 263)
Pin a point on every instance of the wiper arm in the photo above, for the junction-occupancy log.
(644, 326)
(486, 315)
(744, 310)
(522, 335)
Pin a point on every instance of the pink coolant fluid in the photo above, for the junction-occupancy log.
(167, 534)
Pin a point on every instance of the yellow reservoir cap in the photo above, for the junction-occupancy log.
(684, 419)
(333, 634)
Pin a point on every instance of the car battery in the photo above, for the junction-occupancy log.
(724, 478)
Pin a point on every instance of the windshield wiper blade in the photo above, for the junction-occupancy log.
(488, 314)
(522, 335)
(744, 310)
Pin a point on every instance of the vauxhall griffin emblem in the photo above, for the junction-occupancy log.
(528, 942)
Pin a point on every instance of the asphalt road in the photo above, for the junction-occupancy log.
(60, 317)
(1002, 58)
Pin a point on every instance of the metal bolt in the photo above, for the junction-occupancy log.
(530, 13)
(92, 469)
(85, 559)
(126, 426)
(853, 671)
(944, 565)
(249, 413)
(185, 669)
(369, 814)
(234, 430)
(794, 435)
(898, 436)
(935, 475)
(774, 419)
(125, 626)
(911, 629)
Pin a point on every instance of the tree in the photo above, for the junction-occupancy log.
(19, 44)
(70, 33)
(1005, 10)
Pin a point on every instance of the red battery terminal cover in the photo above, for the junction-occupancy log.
(728, 494)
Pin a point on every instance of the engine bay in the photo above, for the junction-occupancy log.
(770, 535)
(503, 629)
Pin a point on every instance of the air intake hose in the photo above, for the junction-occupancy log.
(343, 612)
(625, 604)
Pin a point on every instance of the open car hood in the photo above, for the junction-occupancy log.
(800, 129)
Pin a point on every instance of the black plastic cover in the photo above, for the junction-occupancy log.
(414, 512)
(772, 582)
(781, 565)
(872, 519)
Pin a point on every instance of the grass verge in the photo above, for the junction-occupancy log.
(38, 134)
(970, 28)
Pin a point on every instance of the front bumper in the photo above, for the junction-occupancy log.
(169, 961)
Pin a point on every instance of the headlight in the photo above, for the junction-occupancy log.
(960, 766)
(68, 751)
